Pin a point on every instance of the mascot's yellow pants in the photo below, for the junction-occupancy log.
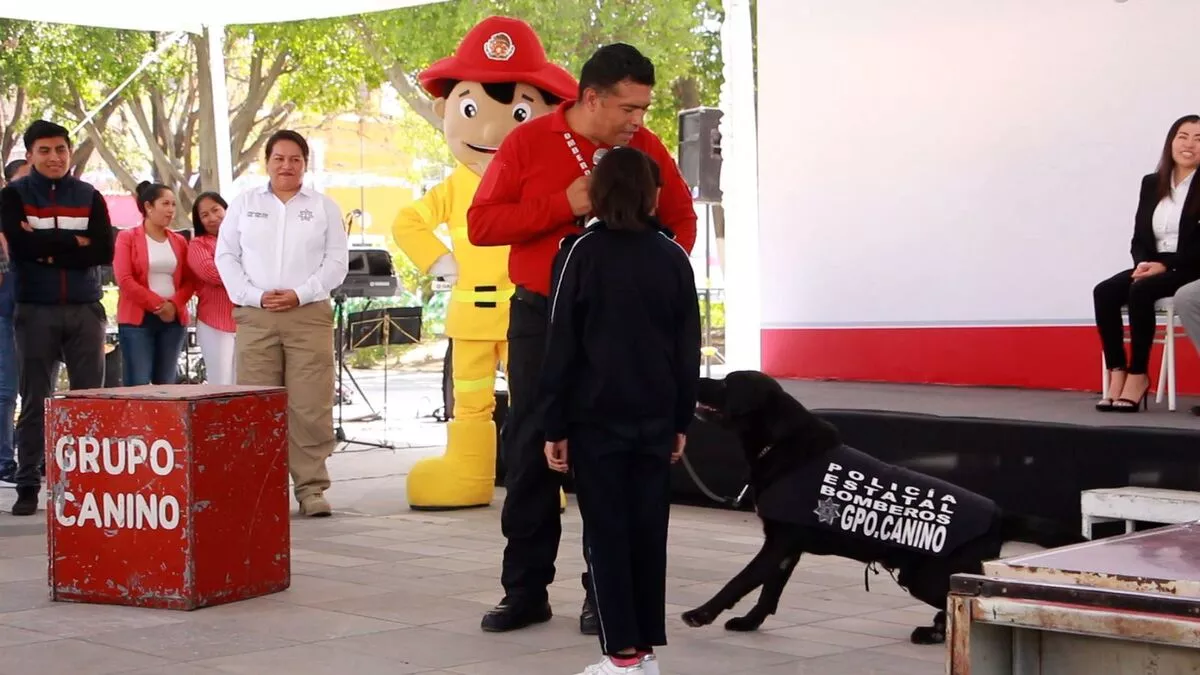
(465, 475)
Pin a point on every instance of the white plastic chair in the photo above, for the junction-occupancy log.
(1171, 327)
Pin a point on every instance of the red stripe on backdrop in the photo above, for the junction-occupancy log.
(1030, 357)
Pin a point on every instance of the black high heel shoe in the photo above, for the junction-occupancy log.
(1106, 404)
(1125, 405)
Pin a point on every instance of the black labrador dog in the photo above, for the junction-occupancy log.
(816, 495)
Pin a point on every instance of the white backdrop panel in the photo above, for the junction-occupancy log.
(941, 161)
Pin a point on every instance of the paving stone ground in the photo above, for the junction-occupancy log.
(380, 589)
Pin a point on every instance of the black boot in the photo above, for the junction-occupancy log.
(509, 615)
(589, 623)
(27, 501)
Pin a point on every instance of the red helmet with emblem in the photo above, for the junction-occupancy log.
(500, 49)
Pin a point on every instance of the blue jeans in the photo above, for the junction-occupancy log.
(8, 389)
(150, 352)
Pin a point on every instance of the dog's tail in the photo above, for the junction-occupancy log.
(1038, 531)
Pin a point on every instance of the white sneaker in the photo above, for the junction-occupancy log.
(650, 664)
(607, 667)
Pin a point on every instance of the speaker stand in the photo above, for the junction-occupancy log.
(708, 350)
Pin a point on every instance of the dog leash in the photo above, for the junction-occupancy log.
(734, 502)
(874, 567)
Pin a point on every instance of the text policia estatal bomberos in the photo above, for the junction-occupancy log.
(885, 510)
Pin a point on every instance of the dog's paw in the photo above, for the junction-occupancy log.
(743, 624)
(698, 617)
(929, 635)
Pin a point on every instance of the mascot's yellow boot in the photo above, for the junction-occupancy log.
(463, 477)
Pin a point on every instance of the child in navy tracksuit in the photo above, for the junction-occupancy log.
(619, 391)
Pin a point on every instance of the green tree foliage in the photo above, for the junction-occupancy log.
(62, 72)
(39, 76)
(680, 36)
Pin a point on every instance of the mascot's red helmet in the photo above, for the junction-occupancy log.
(500, 49)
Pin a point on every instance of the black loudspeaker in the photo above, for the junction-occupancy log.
(700, 152)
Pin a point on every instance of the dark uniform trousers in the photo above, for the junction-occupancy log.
(622, 482)
(529, 518)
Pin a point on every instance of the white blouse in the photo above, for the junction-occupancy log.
(1167, 215)
(162, 267)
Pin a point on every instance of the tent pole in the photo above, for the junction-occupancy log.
(739, 184)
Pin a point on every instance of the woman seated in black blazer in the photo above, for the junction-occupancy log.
(1166, 255)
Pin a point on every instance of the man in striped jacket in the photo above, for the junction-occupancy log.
(59, 236)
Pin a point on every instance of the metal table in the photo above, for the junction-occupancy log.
(1124, 605)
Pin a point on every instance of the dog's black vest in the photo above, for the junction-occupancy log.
(852, 494)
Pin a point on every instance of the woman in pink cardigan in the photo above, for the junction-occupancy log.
(215, 327)
(150, 266)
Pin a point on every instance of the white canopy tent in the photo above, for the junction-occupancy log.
(207, 18)
(193, 17)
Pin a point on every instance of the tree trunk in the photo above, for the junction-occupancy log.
(81, 157)
(687, 92)
(419, 102)
(208, 140)
(11, 130)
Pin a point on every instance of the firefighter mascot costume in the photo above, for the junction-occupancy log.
(498, 78)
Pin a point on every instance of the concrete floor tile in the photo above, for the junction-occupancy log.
(21, 546)
(712, 657)
(174, 669)
(852, 663)
(308, 659)
(784, 645)
(23, 568)
(408, 608)
(842, 638)
(189, 641)
(430, 648)
(18, 596)
(69, 620)
(72, 656)
(561, 661)
(309, 590)
(10, 637)
(867, 626)
(300, 624)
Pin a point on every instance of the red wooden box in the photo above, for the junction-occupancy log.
(168, 496)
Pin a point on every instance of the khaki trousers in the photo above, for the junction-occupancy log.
(294, 349)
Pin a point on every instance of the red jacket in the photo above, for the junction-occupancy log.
(522, 202)
(131, 267)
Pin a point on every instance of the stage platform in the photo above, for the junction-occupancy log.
(1032, 451)
(1055, 407)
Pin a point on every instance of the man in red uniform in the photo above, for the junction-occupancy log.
(534, 193)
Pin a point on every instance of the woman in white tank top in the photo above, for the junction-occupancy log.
(150, 266)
